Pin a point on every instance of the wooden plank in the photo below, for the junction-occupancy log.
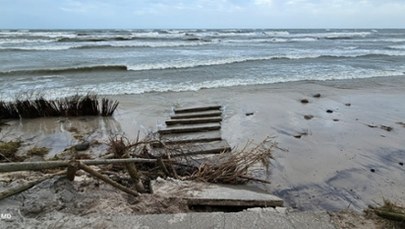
(182, 138)
(194, 128)
(193, 121)
(202, 148)
(197, 115)
(197, 109)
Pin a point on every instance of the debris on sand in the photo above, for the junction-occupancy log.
(389, 215)
(383, 127)
(387, 128)
(317, 95)
(304, 101)
(308, 117)
(401, 123)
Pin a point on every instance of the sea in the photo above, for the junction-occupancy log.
(58, 63)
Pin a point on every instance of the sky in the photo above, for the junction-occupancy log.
(149, 14)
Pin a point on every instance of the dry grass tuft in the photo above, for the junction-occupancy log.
(234, 168)
(78, 105)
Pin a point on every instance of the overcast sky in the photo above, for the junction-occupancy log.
(70, 14)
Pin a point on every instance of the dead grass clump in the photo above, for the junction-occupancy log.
(118, 146)
(234, 168)
(38, 151)
(8, 151)
(77, 105)
(389, 215)
(108, 107)
(7, 111)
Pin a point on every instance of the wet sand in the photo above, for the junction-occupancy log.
(345, 156)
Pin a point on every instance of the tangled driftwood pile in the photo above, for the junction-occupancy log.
(143, 164)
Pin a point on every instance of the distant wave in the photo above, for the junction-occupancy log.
(185, 64)
(141, 86)
(66, 70)
(203, 35)
(235, 60)
(93, 39)
(101, 45)
(397, 47)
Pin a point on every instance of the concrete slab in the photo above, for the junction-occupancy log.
(310, 220)
(256, 220)
(202, 194)
(260, 218)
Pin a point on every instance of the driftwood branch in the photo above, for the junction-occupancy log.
(107, 180)
(28, 166)
(20, 188)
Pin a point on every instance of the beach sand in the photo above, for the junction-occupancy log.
(345, 159)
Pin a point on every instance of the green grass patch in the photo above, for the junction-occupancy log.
(8, 150)
(38, 151)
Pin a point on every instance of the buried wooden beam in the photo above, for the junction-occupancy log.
(193, 137)
(107, 180)
(193, 121)
(196, 128)
(216, 147)
(190, 140)
(197, 115)
(196, 109)
(27, 185)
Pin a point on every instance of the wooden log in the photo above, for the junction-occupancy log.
(28, 166)
(193, 121)
(136, 178)
(197, 115)
(395, 216)
(20, 188)
(71, 170)
(196, 128)
(197, 109)
(107, 180)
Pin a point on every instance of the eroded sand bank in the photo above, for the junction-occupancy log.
(344, 158)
